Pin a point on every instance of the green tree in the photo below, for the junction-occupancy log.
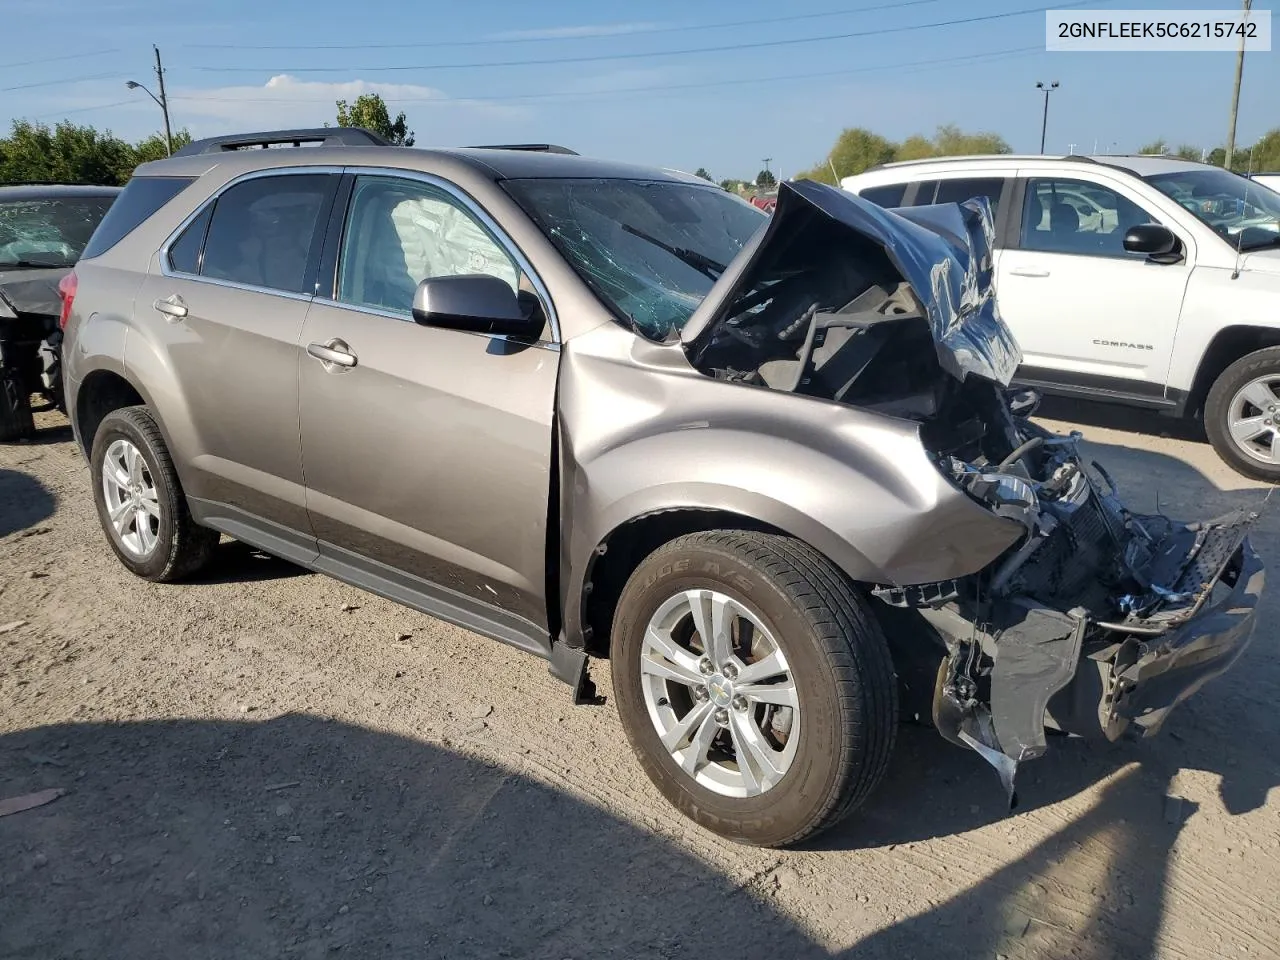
(1187, 151)
(951, 141)
(1159, 146)
(370, 111)
(731, 186)
(916, 147)
(766, 179)
(855, 150)
(68, 153)
(704, 174)
(1218, 156)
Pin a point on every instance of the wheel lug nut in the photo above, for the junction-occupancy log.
(739, 703)
(701, 693)
(706, 667)
(722, 717)
(730, 671)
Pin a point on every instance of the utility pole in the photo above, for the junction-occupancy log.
(1048, 88)
(164, 103)
(1235, 93)
(161, 101)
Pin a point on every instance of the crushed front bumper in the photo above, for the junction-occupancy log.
(1139, 679)
(1095, 678)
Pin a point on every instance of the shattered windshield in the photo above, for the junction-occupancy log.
(47, 231)
(649, 249)
(1237, 208)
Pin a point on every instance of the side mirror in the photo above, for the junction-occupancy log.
(477, 303)
(1155, 241)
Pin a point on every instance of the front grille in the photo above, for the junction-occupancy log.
(1071, 568)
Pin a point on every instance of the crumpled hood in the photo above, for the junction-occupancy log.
(943, 253)
(31, 291)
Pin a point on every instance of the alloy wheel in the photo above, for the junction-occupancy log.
(720, 693)
(1253, 419)
(133, 505)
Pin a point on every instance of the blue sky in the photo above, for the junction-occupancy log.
(453, 68)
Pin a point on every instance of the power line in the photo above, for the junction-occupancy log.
(68, 56)
(755, 45)
(899, 66)
(99, 106)
(499, 41)
(55, 83)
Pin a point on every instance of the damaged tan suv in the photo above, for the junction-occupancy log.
(768, 466)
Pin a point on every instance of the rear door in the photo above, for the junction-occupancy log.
(1088, 315)
(226, 303)
(428, 455)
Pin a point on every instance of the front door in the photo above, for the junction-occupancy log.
(227, 298)
(427, 451)
(1085, 312)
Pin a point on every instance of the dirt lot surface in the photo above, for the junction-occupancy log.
(266, 763)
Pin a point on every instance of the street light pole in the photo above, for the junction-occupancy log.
(1048, 88)
(164, 103)
(161, 101)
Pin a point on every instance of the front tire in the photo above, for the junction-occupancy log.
(141, 506)
(779, 724)
(1242, 415)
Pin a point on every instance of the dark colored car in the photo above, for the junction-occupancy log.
(43, 230)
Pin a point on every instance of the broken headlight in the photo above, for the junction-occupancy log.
(1004, 494)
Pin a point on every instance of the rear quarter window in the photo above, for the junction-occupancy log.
(142, 197)
(889, 195)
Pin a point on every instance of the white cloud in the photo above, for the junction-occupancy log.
(574, 32)
(285, 101)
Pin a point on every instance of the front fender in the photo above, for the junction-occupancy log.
(642, 432)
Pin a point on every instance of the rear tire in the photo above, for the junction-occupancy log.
(153, 535)
(772, 593)
(16, 420)
(1240, 403)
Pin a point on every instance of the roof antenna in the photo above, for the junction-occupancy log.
(1235, 274)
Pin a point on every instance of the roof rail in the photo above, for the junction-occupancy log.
(534, 147)
(320, 136)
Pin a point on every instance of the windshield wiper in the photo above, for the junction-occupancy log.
(704, 265)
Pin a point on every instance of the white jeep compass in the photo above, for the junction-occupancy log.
(1142, 280)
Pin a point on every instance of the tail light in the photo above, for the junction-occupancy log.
(66, 290)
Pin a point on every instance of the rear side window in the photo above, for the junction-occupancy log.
(889, 195)
(263, 231)
(142, 197)
(958, 191)
(925, 190)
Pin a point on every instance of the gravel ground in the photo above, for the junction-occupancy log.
(267, 763)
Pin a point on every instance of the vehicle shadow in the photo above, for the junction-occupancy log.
(298, 837)
(1114, 416)
(24, 502)
(46, 436)
(236, 562)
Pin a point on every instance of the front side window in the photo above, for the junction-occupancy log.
(1074, 216)
(48, 231)
(650, 250)
(401, 232)
(263, 231)
(1236, 208)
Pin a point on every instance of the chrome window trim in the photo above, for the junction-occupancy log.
(471, 206)
(169, 272)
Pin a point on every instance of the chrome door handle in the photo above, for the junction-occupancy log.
(1029, 272)
(334, 352)
(172, 307)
